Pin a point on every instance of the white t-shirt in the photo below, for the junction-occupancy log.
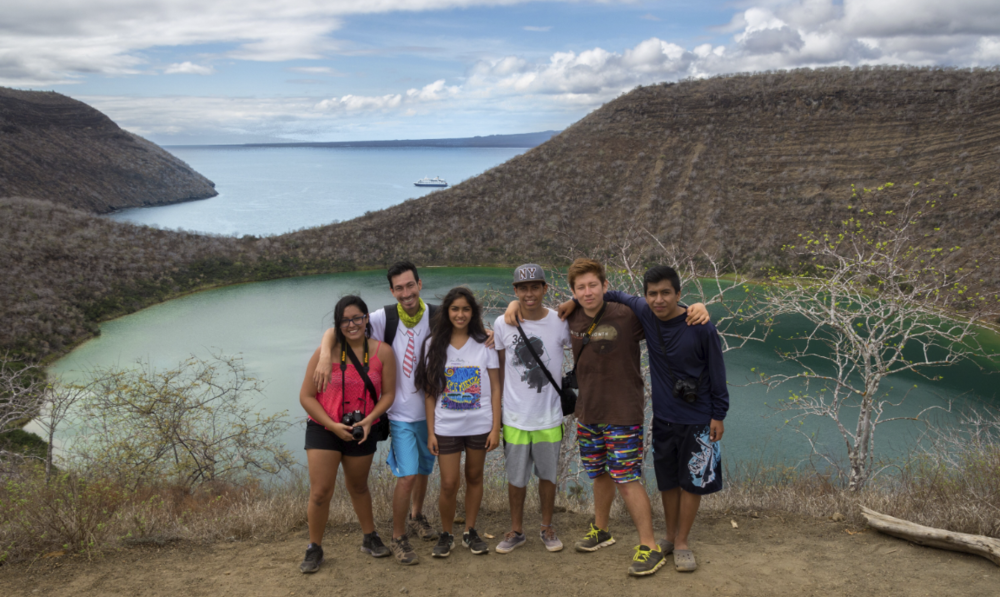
(408, 406)
(465, 407)
(530, 402)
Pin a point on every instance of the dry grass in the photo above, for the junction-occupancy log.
(75, 514)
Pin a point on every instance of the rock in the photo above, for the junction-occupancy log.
(838, 517)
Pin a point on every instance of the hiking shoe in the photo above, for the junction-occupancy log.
(511, 541)
(646, 561)
(549, 539)
(665, 546)
(476, 545)
(595, 539)
(419, 527)
(403, 552)
(314, 557)
(443, 548)
(373, 546)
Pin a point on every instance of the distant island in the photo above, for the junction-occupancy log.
(520, 140)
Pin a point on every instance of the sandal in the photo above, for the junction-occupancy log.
(684, 560)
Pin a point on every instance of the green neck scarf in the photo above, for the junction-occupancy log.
(408, 320)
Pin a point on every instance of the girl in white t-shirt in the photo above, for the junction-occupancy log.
(460, 377)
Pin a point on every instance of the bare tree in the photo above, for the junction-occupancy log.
(57, 402)
(197, 422)
(873, 304)
(21, 397)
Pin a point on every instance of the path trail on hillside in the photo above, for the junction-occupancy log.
(774, 554)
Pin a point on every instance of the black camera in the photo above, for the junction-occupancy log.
(686, 390)
(354, 418)
(569, 381)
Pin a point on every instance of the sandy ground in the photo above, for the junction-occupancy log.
(773, 554)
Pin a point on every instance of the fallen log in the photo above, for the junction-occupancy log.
(979, 545)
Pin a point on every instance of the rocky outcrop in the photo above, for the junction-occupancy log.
(57, 148)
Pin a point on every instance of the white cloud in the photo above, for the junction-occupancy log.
(188, 68)
(538, 29)
(57, 41)
(649, 17)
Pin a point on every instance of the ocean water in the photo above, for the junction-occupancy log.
(269, 190)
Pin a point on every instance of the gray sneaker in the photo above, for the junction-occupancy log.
(443, 548)
(549, 539)
(314, 557)
(595, 539)
(419, 527)
(511, 541)
(403, 552)
(372, 545)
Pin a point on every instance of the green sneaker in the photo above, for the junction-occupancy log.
(646, 561)
(595, 539)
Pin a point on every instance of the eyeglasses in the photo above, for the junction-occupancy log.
(356, 320)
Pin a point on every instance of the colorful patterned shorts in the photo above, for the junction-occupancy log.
(614, 449)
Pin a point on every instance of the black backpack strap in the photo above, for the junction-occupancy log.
(538, 360)
(431, 310)
(391, 323)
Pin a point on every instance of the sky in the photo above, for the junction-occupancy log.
(239, 71)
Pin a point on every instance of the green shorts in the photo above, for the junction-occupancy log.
(524, 449)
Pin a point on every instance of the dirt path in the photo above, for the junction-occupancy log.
(771, 555)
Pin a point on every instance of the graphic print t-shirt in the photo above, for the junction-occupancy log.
(530, 402)
(465, 407)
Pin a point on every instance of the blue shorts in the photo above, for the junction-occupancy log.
(408, 452)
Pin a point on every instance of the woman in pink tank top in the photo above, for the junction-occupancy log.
(338, 432)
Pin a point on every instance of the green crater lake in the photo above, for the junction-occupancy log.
(275, 326)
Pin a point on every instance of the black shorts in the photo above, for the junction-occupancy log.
(453, 444)
(321, 438)
(684, 457)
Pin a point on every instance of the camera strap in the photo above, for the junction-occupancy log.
(587, 334)
(538, 360)
(362, 371)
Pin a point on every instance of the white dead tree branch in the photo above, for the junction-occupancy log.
(872, 304)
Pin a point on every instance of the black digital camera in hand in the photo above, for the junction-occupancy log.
(569, 381)
(354, 418)
(686, 390)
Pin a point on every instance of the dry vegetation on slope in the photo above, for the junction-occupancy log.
(56, 148)
(735, 164)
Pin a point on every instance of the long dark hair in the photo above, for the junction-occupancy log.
(338, 317)
(433, 355)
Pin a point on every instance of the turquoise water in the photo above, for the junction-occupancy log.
(275, 326)
(269, 190)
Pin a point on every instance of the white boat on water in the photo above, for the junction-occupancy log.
(437, 181)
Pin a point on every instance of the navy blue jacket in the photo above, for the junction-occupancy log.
(694, 352)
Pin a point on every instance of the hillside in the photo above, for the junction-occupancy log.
(57, 148)
(736, 165)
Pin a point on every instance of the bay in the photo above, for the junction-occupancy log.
(274, 190)
(275, 327)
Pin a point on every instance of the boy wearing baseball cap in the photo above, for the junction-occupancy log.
(532, 414)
